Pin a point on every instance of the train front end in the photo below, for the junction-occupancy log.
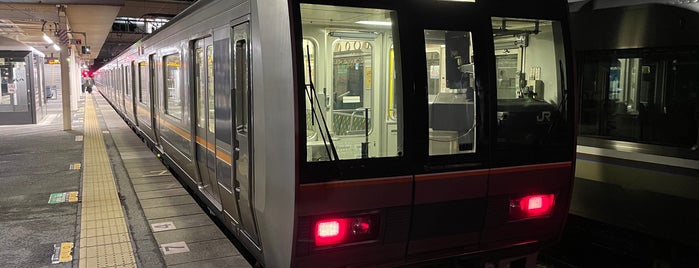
(431, 130)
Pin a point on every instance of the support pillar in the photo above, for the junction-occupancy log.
(65, 90)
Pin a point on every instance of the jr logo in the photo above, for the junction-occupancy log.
(545, 116)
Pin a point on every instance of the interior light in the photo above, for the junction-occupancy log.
(56, 47)
(48, 39)
(373, 22)
(356, 35)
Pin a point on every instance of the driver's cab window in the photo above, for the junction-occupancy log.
(529, 58)
(351, 109)
(451, 94)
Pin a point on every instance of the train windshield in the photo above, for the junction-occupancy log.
(451, 94)
(350, 82)
(531, 84)
(641, 96)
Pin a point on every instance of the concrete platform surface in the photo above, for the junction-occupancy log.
(41, 166)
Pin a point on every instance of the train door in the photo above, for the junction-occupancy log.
(154, 97)
(242, 136)
(128, 96)
(123, 87)
(117, 85)
(205, 125)
(133, 78)
(223, 89)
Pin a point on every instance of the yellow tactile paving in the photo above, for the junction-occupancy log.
(105, 260)
(104, 236)
(106, 239)
(103, 223)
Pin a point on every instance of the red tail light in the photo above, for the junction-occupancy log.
(345, 230)
(531, 206)
(331, 231)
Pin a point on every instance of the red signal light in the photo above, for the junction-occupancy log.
(531, 206)
(87, 73)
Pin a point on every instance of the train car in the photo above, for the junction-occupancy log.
(364, 133)
(637, 158)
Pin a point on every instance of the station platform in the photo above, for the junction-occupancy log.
(96, 196)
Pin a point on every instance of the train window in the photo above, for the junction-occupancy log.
(350, 68)
(144, 91)
(152, 77)
(309, 67)
(199, 83)
(173, 103)
(309, 59)
(135, 80)
(649, 99)
(242, 85)
(128, 86)
(210, 87)
(352, 85)
(530, 60)
(204, 82)
(451, 94)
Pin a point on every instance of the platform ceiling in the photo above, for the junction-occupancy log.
(89, 20)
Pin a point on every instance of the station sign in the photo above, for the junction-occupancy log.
(53, 61)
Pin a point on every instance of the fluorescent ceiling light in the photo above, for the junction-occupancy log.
(359, 35)
(48, 39)
(373, 22)
(56, 47)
